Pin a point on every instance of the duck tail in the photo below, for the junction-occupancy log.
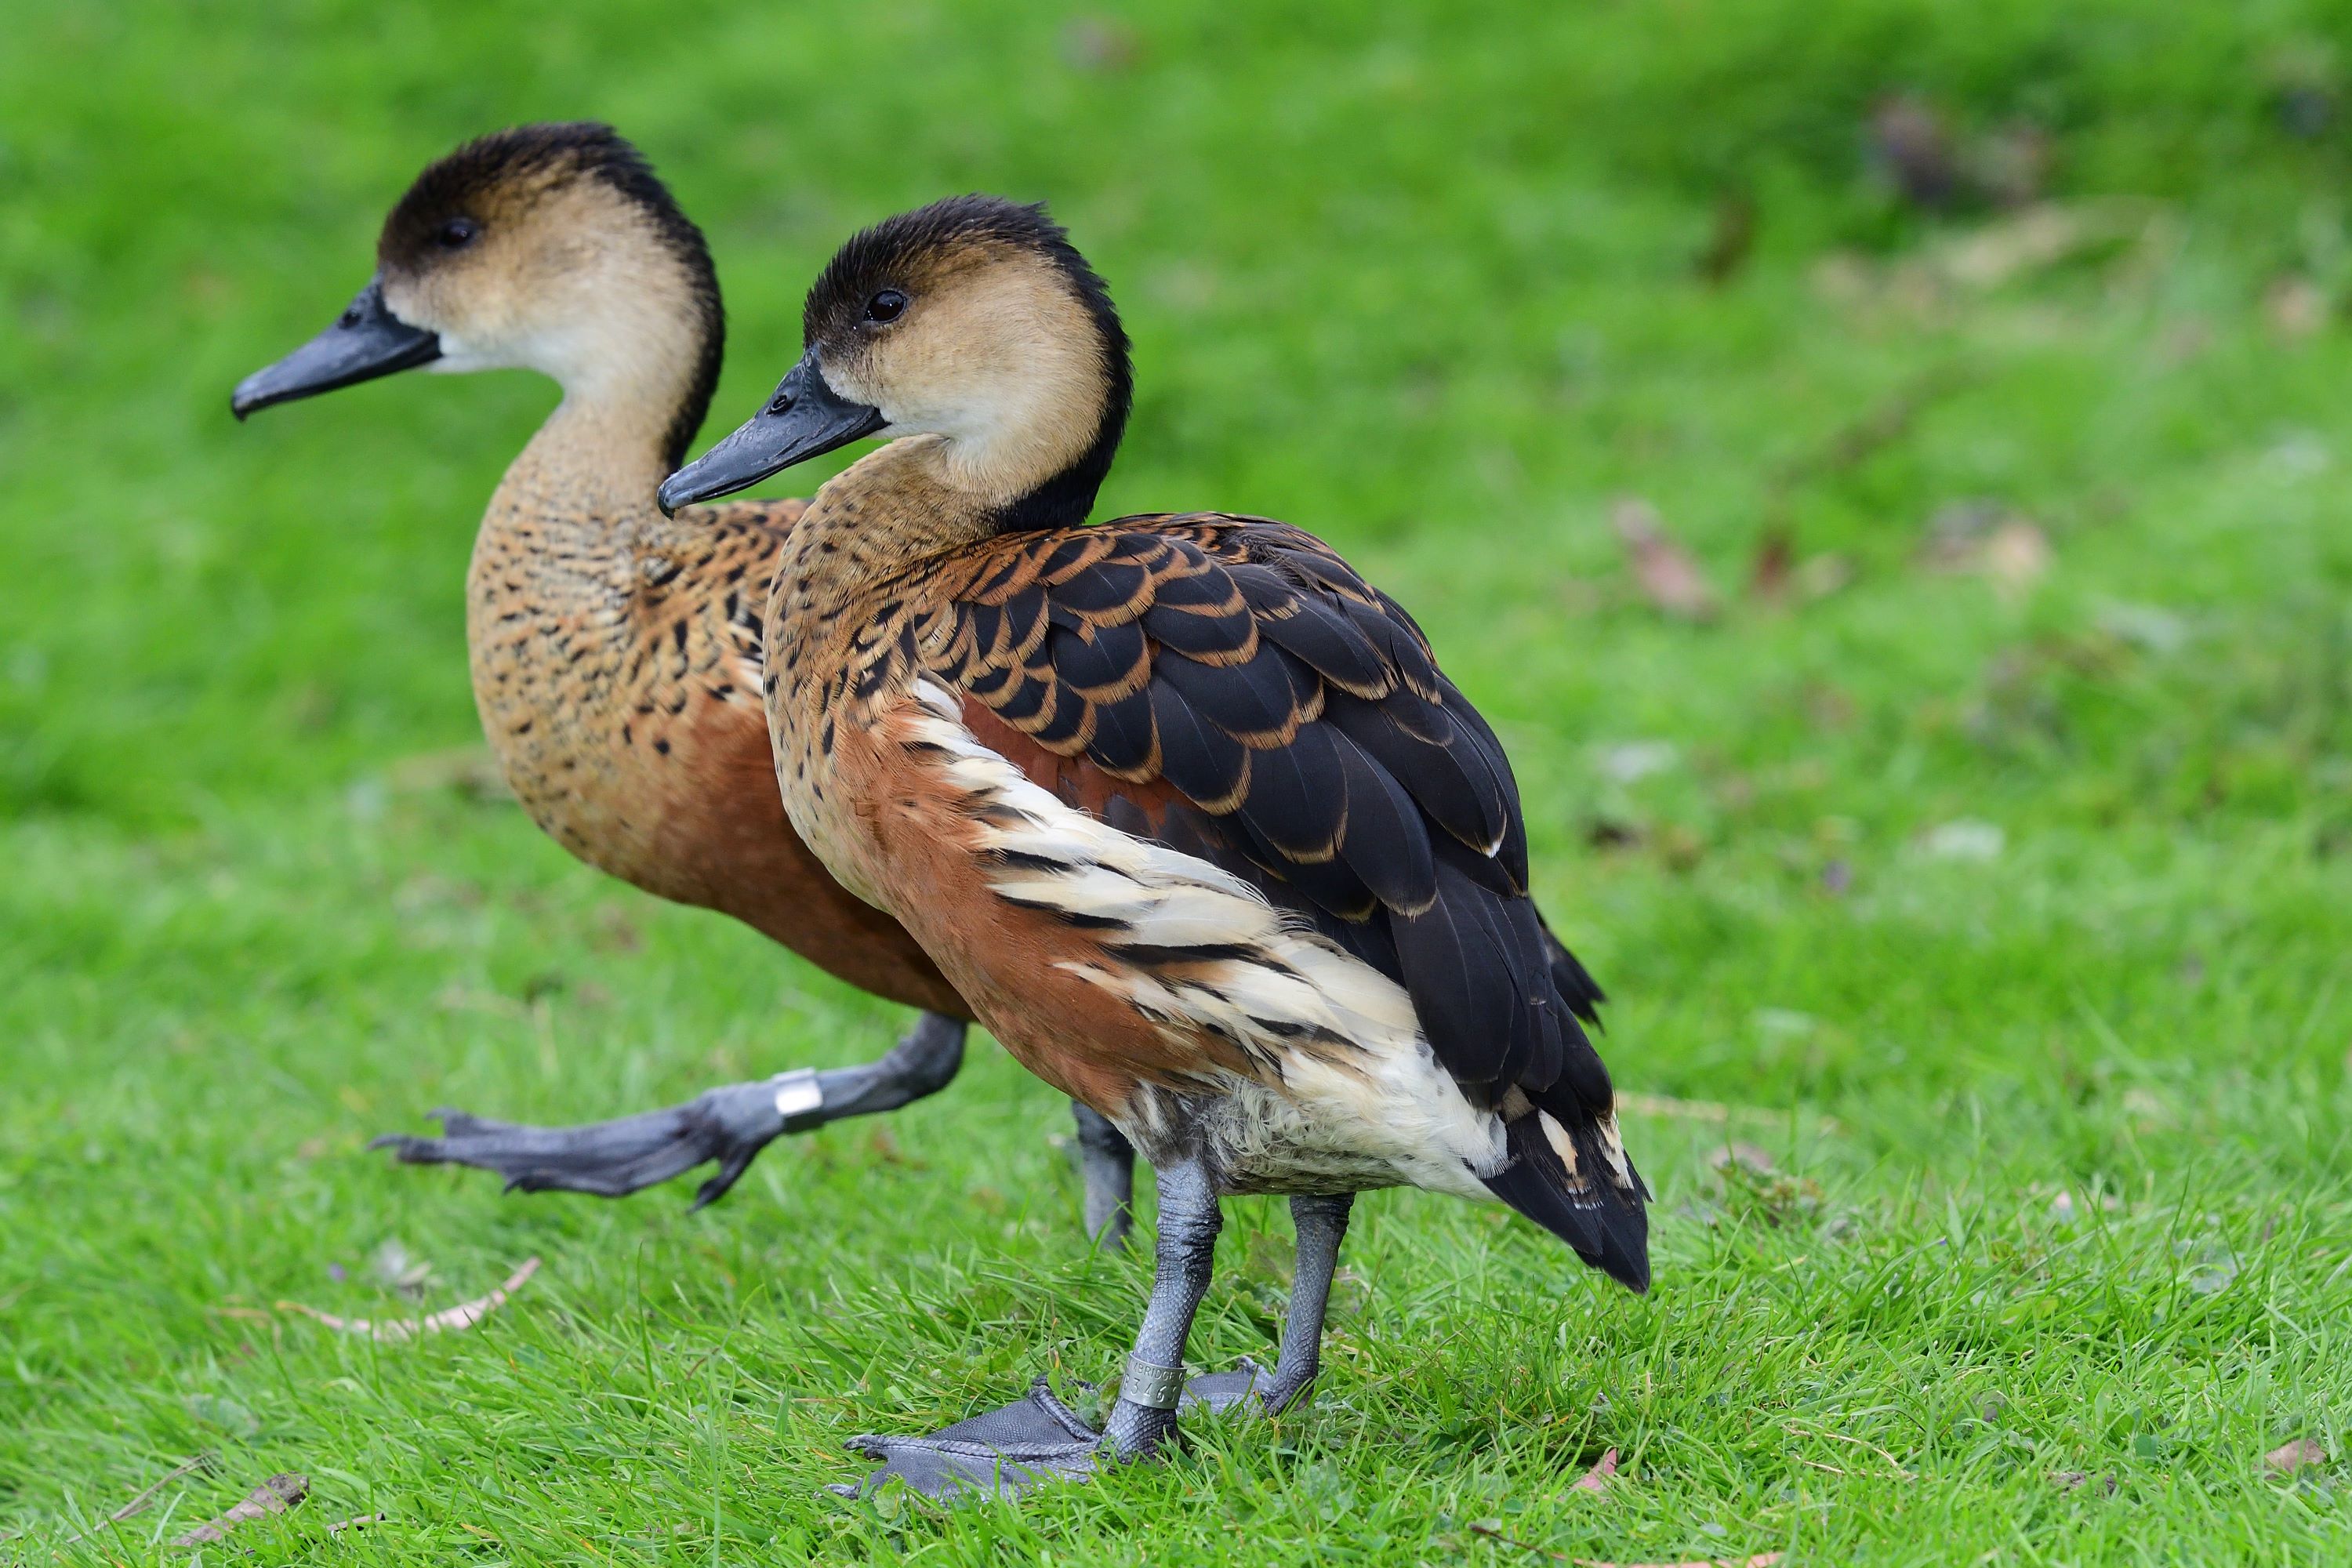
(1569, 1173)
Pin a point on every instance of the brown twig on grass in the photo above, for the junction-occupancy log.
(273, 1495)
(464, 1315)
(1801, 1430)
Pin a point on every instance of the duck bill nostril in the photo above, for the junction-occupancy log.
(806, 418)
(365, 341)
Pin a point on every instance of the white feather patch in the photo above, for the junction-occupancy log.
(1557, 1136)
(1381, 1097)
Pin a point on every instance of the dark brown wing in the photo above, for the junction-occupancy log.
(1232, 688)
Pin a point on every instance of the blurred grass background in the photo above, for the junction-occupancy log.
(1987, 362)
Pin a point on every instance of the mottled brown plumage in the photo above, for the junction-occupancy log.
(1275, 844)
(1181, 805)
(616, 662)
(616, 653)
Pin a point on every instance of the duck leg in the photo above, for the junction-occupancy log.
(1011, 1448)
(730, 1125)
(1322, 1224)
(1107, 1163)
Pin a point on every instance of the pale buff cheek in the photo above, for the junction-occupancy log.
(1003, 360)
(573, 283)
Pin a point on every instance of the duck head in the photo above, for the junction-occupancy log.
(547, 247)
(972, 321)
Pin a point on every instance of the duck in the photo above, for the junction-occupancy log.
(1181, 802)
(616, 653)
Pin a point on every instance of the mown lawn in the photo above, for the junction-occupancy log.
(1989, 885)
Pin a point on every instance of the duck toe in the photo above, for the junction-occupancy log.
(609, 1159)
(1247, 1386)
(998, 1453)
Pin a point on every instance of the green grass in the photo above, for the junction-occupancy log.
(1423, 283)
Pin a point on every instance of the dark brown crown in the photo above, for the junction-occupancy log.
(506, 171)
(901, 252)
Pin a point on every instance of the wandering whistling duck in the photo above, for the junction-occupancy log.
(616, 653)
(1180, 803)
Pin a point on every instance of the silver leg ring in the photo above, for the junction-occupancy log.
(799, 1099)
(1150, 1384)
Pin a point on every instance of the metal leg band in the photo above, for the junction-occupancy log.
(1150, 1384)
(799, 1099)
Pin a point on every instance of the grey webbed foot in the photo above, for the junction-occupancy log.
(1001, 1452)
(1037, 1437)
(1249, 1388)
(730, 1125)
(609, 1158)
(1247, 1384)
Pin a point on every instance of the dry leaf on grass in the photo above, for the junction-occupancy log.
(1729, 242)
(1596, 1478)
(1775, 564)
(394, 1267)
(1746, 1156)
(1099, 44)
(464, 1315)
(2291, 1456)
(1668, 574)
(1912, 145)
(2039, 236)
(2295, 307)
(275, 1495)
(1988, 539)
(1964, 840)
(2016, 557)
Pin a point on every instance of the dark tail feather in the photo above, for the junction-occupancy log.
(1605, 1223)
(1576, 984)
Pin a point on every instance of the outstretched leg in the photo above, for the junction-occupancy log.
(1036, 1437)
(730, 1125)
(1107, 1163)
(1322, 1224)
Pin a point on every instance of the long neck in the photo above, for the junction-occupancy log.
(559, 555)
(593, 466)
(637, 375)
(595, 463)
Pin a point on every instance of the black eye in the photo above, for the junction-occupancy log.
(456, 234)
(887, 306)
